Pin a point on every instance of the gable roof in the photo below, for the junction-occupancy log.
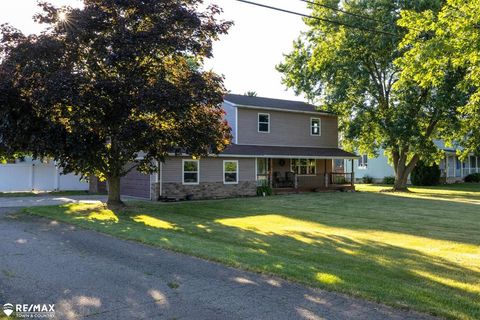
(440, 144)
(269, 103)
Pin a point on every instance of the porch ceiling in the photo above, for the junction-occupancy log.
(286, 152)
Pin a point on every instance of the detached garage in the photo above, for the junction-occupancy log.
(35, 175)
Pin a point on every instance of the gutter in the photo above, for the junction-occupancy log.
(284, 110)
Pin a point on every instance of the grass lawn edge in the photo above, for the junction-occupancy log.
(239, 266)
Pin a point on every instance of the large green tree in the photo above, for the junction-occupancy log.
(351, 68)
(438, 41)
(113, 86)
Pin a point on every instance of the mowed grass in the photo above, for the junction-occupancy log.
(418, 250)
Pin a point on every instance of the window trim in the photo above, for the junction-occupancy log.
(304, 175)
(319, 127)
(258, 122)
(236, 172)
(361, 163)
(183, 171)
(474, 162)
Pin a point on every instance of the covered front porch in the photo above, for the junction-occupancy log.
(289, 174)
(294, 169)
(455, 170)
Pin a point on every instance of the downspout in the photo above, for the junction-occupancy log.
(159, 178)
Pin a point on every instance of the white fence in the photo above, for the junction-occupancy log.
(37, 176)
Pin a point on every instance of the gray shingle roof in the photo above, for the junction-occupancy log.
(260, 102)
(302, 152)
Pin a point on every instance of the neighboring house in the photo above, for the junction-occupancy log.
(289, 145)
(452, 168)
(35, 175)
(377, 168)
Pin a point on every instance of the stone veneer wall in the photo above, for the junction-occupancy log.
(209, 190)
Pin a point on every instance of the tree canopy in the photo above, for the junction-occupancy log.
(440, 41)
(354, 68)
(112, 84)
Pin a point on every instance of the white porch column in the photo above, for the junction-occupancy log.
(469, 165)
(353, 173)
(446, 165)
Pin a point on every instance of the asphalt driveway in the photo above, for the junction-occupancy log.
(95, 276)
(47, 200)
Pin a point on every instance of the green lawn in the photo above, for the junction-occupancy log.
(418, 250)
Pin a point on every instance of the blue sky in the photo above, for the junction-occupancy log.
(246, 56)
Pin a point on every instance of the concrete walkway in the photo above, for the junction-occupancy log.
(95, 276)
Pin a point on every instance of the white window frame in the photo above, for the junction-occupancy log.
(268, 123)
(361, 163)
(474, 162)
(302, 175)
(319, 127)
(236, 172)
(183, 171)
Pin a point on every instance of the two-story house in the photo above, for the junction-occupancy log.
(289, 145)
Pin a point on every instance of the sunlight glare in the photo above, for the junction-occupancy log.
(62, 16)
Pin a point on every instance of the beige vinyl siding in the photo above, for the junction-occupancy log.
(211, 169)
(230, 117)
(286, 129)
(135, 184)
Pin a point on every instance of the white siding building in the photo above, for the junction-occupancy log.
(36, 175)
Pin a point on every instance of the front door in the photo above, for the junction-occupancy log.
(263, 169)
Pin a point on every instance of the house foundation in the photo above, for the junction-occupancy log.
(209, 190)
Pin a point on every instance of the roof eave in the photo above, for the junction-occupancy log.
(231, 155)
(290, 156)
(278, 109)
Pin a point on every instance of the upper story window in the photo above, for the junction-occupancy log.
(191, 170)
(230, 171)
(264, 122)
(304, 166)
(363, 161)
(315, 127)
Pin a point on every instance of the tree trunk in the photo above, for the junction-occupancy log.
(402, 171)
(114, 192)
(401, 177)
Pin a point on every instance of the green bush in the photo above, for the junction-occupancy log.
(264, 189)
(472, 177)
(424, 175)
(367, 179)
(389, 180)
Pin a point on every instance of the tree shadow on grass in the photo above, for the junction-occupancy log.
(339, 242)
(365, 267)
